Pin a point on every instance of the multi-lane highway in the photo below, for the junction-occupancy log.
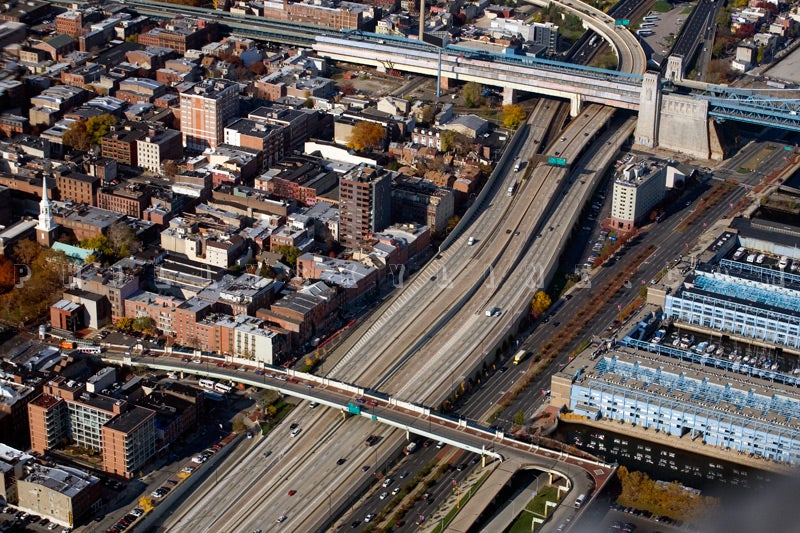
(411, 354)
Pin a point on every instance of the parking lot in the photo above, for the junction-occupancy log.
(12, 520)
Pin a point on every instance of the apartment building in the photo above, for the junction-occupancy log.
(182, 34)
(357, 279)
(206, 107)
(66, 413)
(117, 282)
(126, 198)
(157, 146)
(129, 441)
(638, 189)
(365, 197)
(78, 187)
(418, 200)
(64, 495)
(268, 139)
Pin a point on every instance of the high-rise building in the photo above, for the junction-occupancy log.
(66, 412)
(206, 108)
(637, 190)
(365, 197)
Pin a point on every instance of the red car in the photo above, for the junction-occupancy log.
(292, 492)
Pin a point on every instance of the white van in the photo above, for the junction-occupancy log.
(471, 241)
(579, 501)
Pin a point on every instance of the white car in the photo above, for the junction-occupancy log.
(383, 495)
(296, 432)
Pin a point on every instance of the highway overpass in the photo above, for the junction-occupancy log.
(354, 400)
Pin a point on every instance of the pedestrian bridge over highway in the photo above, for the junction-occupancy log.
(410, 417)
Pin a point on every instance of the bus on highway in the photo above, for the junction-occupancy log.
(222, 388)
(88, 348)
(520, 355)
(206, 384)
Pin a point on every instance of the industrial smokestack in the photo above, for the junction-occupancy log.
(421, 19)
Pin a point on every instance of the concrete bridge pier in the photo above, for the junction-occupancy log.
(649, 111)
(509, 96)
(575, 105)
(444, 83)
(674, 71)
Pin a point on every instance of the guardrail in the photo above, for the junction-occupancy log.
(499, 169)
(379, 399)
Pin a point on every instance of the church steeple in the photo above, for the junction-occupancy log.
(45, 210)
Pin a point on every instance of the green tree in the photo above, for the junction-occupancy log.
(146, 503)
(238, 425)
(266, 271)
(540, 303)
(519, 418)
(290, 254)
(123, 240)
(366, 135)
(98, 126)
(7, 274)
(124, 323)
(77, 136)
(447, 137)
(472, 94)
(101, 245)
(427, 114)
(145, 324)
(452, 222)
(26, 251)
(513, 116)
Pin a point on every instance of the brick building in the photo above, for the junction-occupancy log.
(206, 107)
(365, 197)
(182, 34)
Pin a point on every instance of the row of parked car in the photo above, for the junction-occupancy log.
(126, 521)
(20, 519)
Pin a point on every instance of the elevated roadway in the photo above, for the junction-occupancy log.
(406, 376)
(577, 83)
(625, 45)
(276, 467)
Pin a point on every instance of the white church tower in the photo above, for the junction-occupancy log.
(46, 229)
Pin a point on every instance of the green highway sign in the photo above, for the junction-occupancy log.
(623, 22)
(557, 161)
(353, 409)
(787, 148)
